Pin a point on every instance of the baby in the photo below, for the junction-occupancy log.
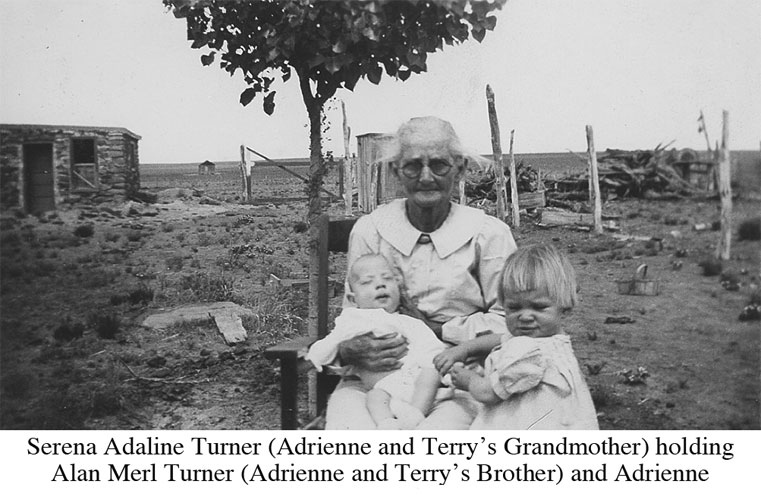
(398, 399)
(531, 378)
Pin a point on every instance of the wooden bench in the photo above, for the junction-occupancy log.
(333, 237)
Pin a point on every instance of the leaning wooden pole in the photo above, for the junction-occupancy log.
(703, 129)
(243, 168)
(499, 171)
(348, 183)
(594, 181)
(725, 191)
(514, 208)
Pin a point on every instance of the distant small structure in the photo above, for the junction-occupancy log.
(207, 168)
(42, 166)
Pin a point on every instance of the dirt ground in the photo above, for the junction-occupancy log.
(76, 285)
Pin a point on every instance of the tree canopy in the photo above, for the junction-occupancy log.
(329, 44)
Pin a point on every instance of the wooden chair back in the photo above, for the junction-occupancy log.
(333, 238)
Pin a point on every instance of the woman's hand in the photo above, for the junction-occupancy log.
(378, 354)
(445, 360)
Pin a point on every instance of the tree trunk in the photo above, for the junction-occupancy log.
(316, 174)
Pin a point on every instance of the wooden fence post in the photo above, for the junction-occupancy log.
(243, 167)
(347, 185)
(594, 180)
(499, 171)
(245, 170)
(514, 185)
(725, 191)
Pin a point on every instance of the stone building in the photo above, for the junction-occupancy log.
(206, 168)
(42, 166)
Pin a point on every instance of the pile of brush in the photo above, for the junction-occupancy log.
(640, 174)
(481, 185)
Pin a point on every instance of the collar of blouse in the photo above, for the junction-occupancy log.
(460, 226)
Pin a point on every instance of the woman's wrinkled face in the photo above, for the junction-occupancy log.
(428, 173)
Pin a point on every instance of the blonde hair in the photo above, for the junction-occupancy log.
(540, 268)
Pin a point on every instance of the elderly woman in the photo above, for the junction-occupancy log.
(448, 256)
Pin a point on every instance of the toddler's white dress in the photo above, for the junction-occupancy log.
(540, 384)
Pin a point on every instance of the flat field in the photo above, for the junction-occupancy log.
(77, 285)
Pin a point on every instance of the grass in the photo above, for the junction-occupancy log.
(84, 231)
(200, 287)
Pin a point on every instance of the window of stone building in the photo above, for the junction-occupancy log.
(84, 168)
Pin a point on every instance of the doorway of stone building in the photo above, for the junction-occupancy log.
(39, 195)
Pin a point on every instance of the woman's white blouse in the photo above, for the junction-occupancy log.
(454, 277)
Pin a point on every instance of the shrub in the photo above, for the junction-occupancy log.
(174, 263)
(207, 287)
(106, 325)
(204, 240)
(275, 316)
(112, 237)
(69, 331)
(16, 384)
(141, 295)
(749, 230)
(115, 300)
(84, 231)
(134, 235)
(105, 401)
(711, 266)
(45, 268)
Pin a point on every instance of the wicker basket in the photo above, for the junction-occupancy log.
(639, 284)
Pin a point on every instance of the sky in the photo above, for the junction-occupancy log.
(639, 72)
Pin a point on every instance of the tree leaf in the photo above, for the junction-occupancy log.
(247, 96)
(352, 74)
(269, 103)
(478, 35)
(207, 59)
(374, 74)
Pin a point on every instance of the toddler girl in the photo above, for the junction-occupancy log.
(531, 379)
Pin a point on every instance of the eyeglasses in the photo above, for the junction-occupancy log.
(414, 168)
